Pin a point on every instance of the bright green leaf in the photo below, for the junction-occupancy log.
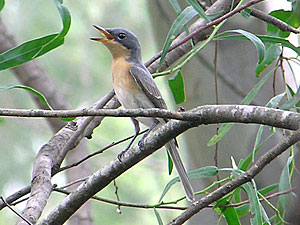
(242, 210)
(37, 47)
(2, 3)
(176, 84)
(247, 100)
(185, 16)
(289, 17)
(170, 163)
(273, 51)
(203, 172)
(198, 8)
(231, 216)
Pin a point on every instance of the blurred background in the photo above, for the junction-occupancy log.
(80, 70)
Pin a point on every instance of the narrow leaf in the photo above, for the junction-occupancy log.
(35, 92)
(176, 84)
(264, 38)
(159, 220)
(247, 100)
(198, 8)
(175, 5)
(170, 163)
(203, 172)
(185, 16)
(285, 201)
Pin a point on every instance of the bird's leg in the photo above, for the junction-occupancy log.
(137, 131)
(141, 142)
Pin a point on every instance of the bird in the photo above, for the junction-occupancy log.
(135, 88)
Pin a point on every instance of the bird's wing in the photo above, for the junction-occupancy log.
(146, 82)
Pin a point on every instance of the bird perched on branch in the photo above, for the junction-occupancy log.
(135, 88)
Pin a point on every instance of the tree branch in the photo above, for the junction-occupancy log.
(208, 114)
(263, 161)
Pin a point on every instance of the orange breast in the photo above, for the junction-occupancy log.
(121, 75)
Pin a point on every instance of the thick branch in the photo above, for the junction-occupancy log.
(49, 160)
(209, 114)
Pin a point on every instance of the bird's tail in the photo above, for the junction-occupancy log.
(171, 146)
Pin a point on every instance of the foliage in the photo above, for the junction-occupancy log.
(270, 48)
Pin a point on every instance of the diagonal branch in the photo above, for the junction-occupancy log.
(263, 161)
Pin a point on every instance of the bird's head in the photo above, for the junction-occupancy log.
(120, 42)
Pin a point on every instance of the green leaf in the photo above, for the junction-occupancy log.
(260, 47)
(170, 163)
(35, 92)
(292, 102)
(231, 216)
(175, 5)
(273, 51)
(264, 38)
(203, 172)
(159, 220)
(285, 202)
(37, 47)
(229, 212)
(242, 210)
(255, 206)
(198, 8)
(289, 17)
(268, 189)
(246, 13)
(247, 100)
(176, 83)
(185, 16)
(2, 3)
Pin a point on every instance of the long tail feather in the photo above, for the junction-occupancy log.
(171, 146)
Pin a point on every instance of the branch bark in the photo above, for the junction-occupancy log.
(261, 163)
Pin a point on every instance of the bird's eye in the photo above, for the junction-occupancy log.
(121, 36)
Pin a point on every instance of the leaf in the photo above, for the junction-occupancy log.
(198, 8)
(35, 92)
(185, 16)
(273, 51)
(176, 84)
(229, 212)
(259, 45)
(170, 163)
(292, 102)
(285, 201)
(247, 100)
(37, 47)
(255, 206)
(175, 5)
(2, 3)
(289, 17)
(159, 220)
(268, 189)
(203, 172)
(264, 38)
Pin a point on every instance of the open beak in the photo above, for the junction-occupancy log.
(108, 36)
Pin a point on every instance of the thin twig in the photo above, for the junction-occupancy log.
(272, 20)
(127, 204)
(97, 152)
(18, 214)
